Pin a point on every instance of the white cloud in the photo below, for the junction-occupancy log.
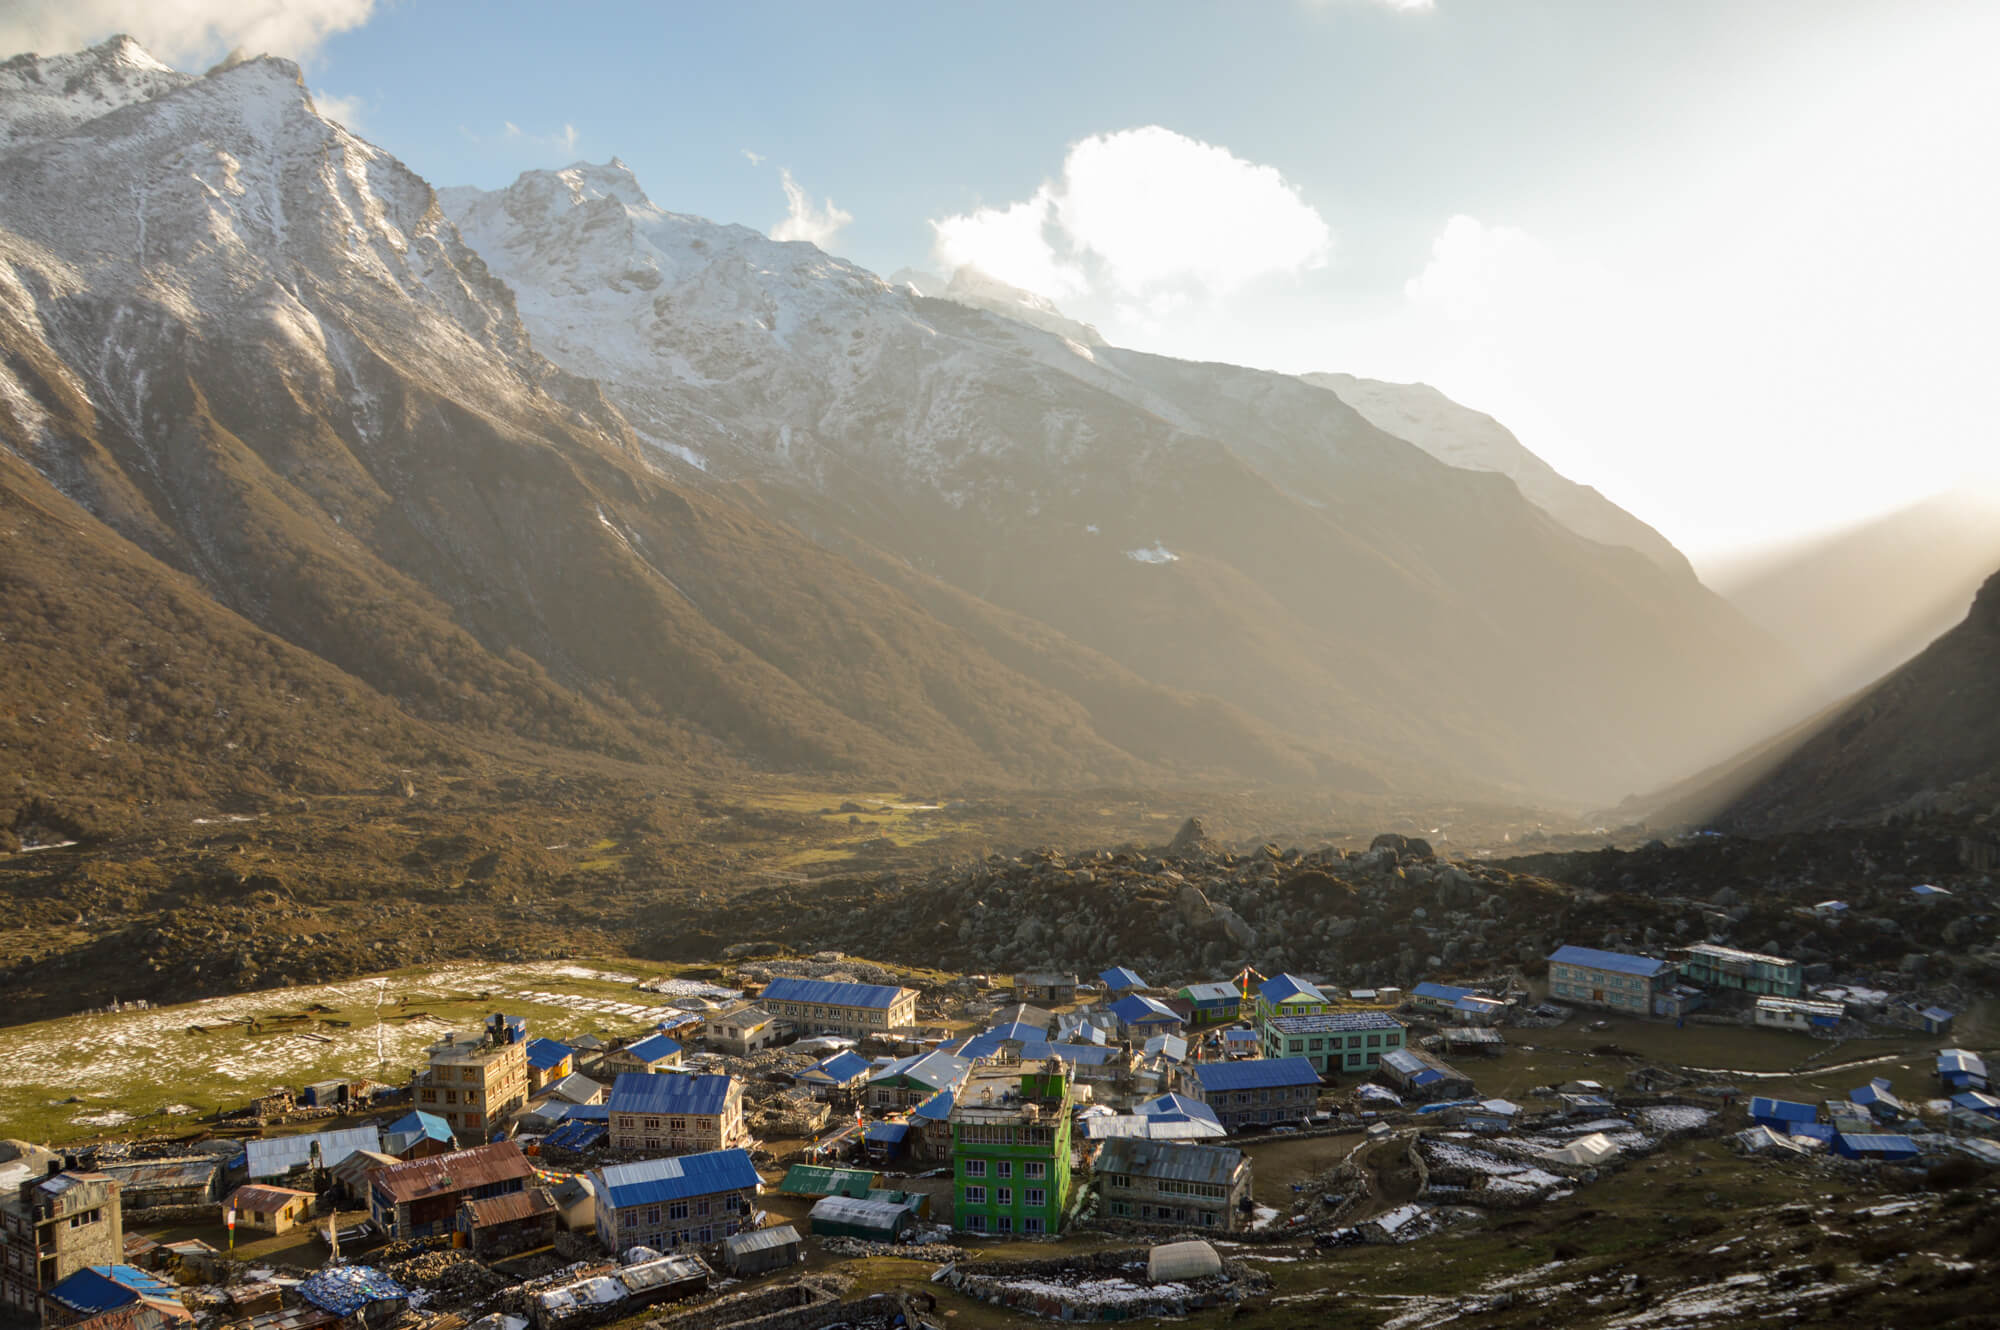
(1139, 212)
(186, 33)
(1477, 271)
(343, 111)
(562, 141)
(805, 222)
(754, 158)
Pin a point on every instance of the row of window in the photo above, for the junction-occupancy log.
(1005, 1224)
(986, 1133)
(1321, 1045)
(1004, 1168)
(1286, 1094)
(1035, 1198)
(1165, 1213)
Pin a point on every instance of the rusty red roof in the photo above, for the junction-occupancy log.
(512, 1208)
(461, 1170)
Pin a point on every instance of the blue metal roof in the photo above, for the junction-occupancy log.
(827, 993)
(654, 1048)
(1875, 1092)
(1849, 1142)
(1136, 1007)
(937, 1108)
(1817, 1131)
(1177, 1106)
(1782, 1110)
(577, 1134)
(1928, 889)
(1287, 986)
(886, 1133)
(1960, 1062)
(546, 1054)
(1239, 1036)
(103, 1288)
(843, 1068)
(419, 1123)
(346, 1289)
(646, 1092)
(1977, 1101)
(1411, 1067)
(1590, 958)
(279, 1155)
(1937, 1014)
(654, 1180)
(1255, 1074)
(1440, 992)
(1118, 976)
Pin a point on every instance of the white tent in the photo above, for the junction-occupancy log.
(1174, 1261)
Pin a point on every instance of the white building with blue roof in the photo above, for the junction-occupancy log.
(675, 1113)
(667, 1204)
(1260, 1091)
(1638, 985)
(824, 1006)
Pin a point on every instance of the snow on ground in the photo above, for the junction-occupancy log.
(1675, 1117)
(1735, 1296)
(1263, 1217)
(585, 972)
(1098, 1290)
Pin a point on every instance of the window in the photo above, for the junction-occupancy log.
(1035, 1169)
(1035, 1198)
(652, 1214)
(1006, 1224)
(1374, 1041)
(977, 1223)
(975, 1168)
(975, 1195)
(1004, 1169)
(1032, 1224)
(678, 1210)
(1003, 1196)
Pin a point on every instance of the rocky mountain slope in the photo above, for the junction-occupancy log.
(1463, 437)
(1210, 529)
(1858, 602)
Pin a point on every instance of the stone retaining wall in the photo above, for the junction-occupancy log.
(991, 1282)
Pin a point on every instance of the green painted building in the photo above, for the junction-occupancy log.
(1010, 1149)
(1334, 1041)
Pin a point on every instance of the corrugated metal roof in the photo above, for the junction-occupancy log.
(1287, 986)
(859, 1210)
(1782, 1110)
(1211, 1164)
(1875, 1143)
(1440, 992)
(460, 1170)
(843, 1068)
(262, 1196)
(101, 1288)
(1135, 1007)
(547, 1054)
(828, 993)
(346, 1289)
(886, 1133)
(660, 1096)
(1255, 1074)
(1590, 958)
(1177, 1104)
(1213, 993)
(1722, 953)
(1978, 1101)
(819, 1180)
(194, 1172)
(1119, 976)
(511, 1209)
(1960, 1061)
(1818, 1131)
(937, 1108)
(654, 1048)
(1335, 1022)
(940, 1071)
(654, 1180)
(1938, 1014)
(577, 1134)
(763, 1239)
(279, 1155)
(419, 1123)
(575, 1087)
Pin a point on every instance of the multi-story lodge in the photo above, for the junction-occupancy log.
(822, 1006)
(675, 1113)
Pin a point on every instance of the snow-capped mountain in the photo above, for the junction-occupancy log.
(555, 463)
(970, 286)
(1471, 439)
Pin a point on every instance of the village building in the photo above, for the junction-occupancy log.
(548, 1061)
(844, 1076)
(260, 1207)
(653, 1054)
(1141, 1017)
(930, 1129)
(1638, 985)
(1418, 1075)
(575, 1089)
(861, 1217)
(1781, 1115)
(476, 1082)
(1289, 995)
(1213, 1005)
(1011, 1149)
(910, 1081)
(1711, 966)
(1174, 1185)
(50, 1228)
(1473, 1039)
(743, 1029)
(1049, 987)
(418, 1135)
(1798, 1014)
(99, 1290)
(420, 1198)
(353, 1174)
(501, 1226)
(676, 1114)
(1119, 980)
(1333, 1041)
(1256, 1092)
(1961, 1069)
(165, 1184)
(280, 1156)
(667, 1204)
(763, 1250)
(1439, 998)
(822, 1006)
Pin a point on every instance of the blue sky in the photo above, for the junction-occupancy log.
(1733, 263)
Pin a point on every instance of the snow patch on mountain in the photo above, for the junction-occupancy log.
(43, 96)
(1153, 553)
